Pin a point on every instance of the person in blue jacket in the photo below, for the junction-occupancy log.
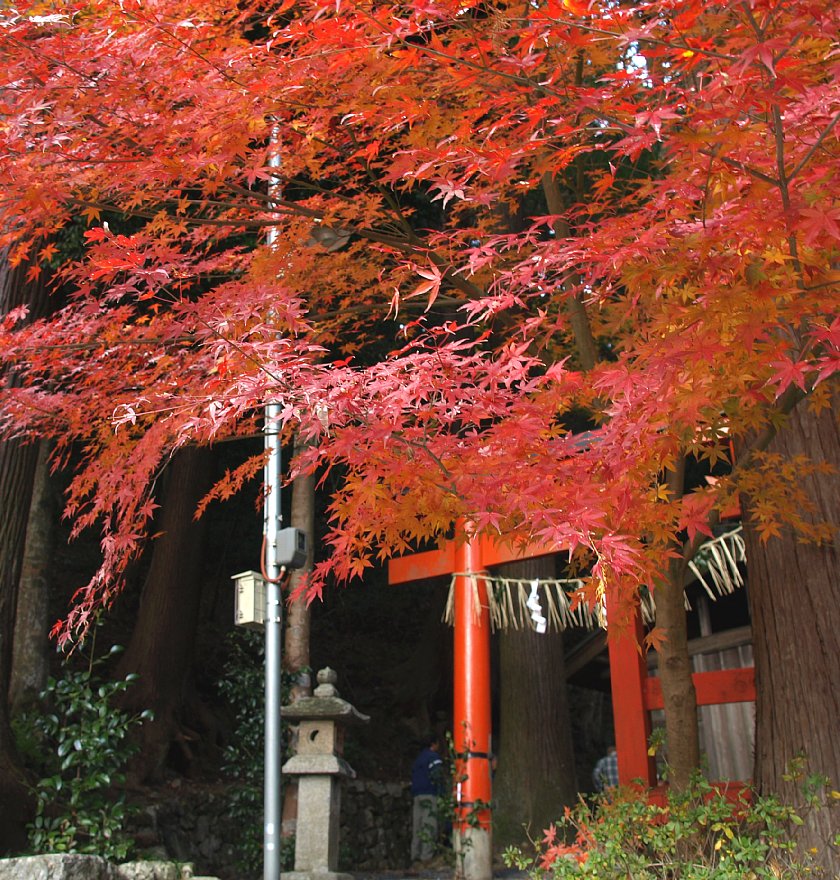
(426, 787)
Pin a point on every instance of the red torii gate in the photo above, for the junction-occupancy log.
(472, 703)
(634, 693)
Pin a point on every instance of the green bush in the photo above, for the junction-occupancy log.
(698, 835)
(82, 746)
(243, 687)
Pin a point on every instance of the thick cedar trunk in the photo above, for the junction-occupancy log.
(535, 778)
(17, 469)
(794, 593)
(162, 643)
(30, 660)
(17, 466)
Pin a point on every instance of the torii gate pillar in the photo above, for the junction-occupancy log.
(472, 724)
(463, 558)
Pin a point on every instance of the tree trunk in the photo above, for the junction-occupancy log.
(17, 469)
(162, 643)
(794, 594)
(682, 736)
(536, 769)
(296, 658)
(296, 642)
(30, 659)
(17, 466)
(682, 740)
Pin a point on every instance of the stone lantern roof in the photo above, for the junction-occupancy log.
(324, 704)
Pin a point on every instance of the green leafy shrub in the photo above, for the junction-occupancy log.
(243, 687)
(82, 743)
(698, 835)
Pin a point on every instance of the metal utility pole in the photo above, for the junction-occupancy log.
(284, 549)
(272, 522)
(273, 647)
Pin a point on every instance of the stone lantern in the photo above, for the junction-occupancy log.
(318, 765)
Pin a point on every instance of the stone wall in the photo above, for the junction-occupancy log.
(188, 826)
(375, 826)
(193, 825)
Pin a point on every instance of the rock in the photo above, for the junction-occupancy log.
(78, 867)
(57, 867)
(148, 871)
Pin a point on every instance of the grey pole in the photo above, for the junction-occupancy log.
(273, 642)
(273, 516)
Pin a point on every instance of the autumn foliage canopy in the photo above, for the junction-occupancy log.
(513, 262)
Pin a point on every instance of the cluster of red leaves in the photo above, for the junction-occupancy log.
(555, 849)
(397, 155)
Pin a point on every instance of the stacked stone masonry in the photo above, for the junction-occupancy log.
(191, 831)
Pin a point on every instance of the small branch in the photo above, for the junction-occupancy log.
(740, 166)
(578, 318)
(814, 147)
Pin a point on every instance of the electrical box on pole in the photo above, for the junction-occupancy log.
(291, 548)
(249, 605)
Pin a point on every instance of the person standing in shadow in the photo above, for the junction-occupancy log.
(426, 787)
(605, 774)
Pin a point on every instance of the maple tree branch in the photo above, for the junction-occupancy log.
(757, 29)
(712, 153)
(448, 487)
(777, 128)
(410, 244)
(191, 338)
(184, 44)
(51, 60)
(740, 166)
(779, 138)
(578, 318)
(471, 290)
(778, 132)
(147, 214)
(675, 480)
(761, 30)
(642, 40)
(814, 147)
(536, 86)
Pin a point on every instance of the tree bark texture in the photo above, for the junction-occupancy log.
(682, 735)
(535, 778)
(30, 657)
(678, 694)
(794, 594)
(17, 469)
(296, 659)
(296, 643)
(162, 643)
